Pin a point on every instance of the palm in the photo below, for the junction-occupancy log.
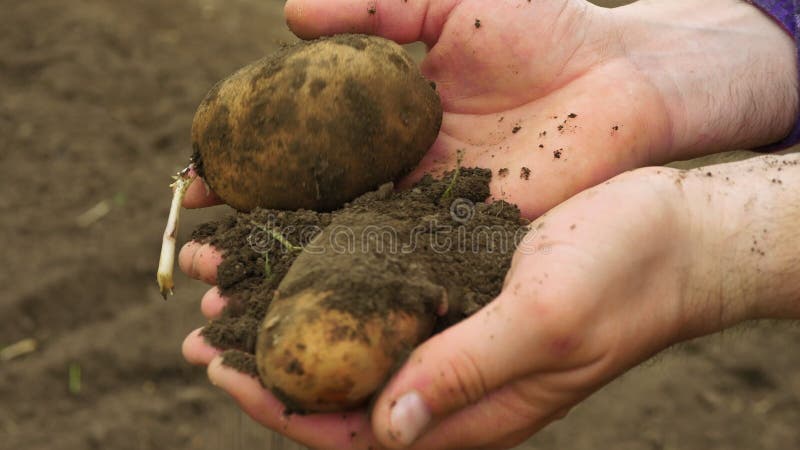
(510, 86)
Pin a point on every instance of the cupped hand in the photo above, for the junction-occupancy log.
(560, 329)
(537, 86)
(605, 280)
(564, 94)
(541, 89)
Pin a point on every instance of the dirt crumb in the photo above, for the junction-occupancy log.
(525, 173)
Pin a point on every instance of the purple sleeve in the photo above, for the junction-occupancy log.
(786, 13)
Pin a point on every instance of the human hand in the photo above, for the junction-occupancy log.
(607, 279)
(652, 82)
(649, 83)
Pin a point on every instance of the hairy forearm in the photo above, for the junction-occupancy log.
(726, 71)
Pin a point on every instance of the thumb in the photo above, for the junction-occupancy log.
(401, 21)
(518, 333)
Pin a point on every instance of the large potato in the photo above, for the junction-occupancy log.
(315, 125)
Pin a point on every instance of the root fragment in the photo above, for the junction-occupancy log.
(166, 261)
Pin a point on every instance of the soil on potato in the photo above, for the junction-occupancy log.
(441, 225)
(96, 103)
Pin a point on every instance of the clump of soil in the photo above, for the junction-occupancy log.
(439, 231)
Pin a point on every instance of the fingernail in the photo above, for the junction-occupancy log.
(408, 417)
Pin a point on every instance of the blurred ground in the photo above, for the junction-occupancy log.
(96, 100)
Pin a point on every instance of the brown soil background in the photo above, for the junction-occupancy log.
(96, 101)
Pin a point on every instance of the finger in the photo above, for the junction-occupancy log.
(503, 419)
(513, 336)
(401, 21)
(200, 261)
(321, 431)
(199, 195)
(196, 350)
(213, 303)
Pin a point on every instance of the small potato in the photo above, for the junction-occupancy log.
(315, 125)
(344, 316)
(318, 359)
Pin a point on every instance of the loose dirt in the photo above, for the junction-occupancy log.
(436, 236)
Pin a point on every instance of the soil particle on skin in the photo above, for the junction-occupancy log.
(516, 129)
(477, 23)
(525, 173)
(680, 176)
(557, 154)
(502, 173)
(572, 115)
(470, 270)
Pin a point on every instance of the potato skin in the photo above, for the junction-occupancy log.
(315, 125)
(317, 359)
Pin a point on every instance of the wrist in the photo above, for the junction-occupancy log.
(745, 244)
(726, 72)
(770, 234)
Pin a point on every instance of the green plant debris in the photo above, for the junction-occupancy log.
(278, 237)
(74, 382)
(449, 191)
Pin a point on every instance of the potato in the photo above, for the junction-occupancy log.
(315, 125)
(317, 359)
(342, 321)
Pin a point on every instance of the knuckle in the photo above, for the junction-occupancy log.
(186, 258)
(560, 327)
(461, 380)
